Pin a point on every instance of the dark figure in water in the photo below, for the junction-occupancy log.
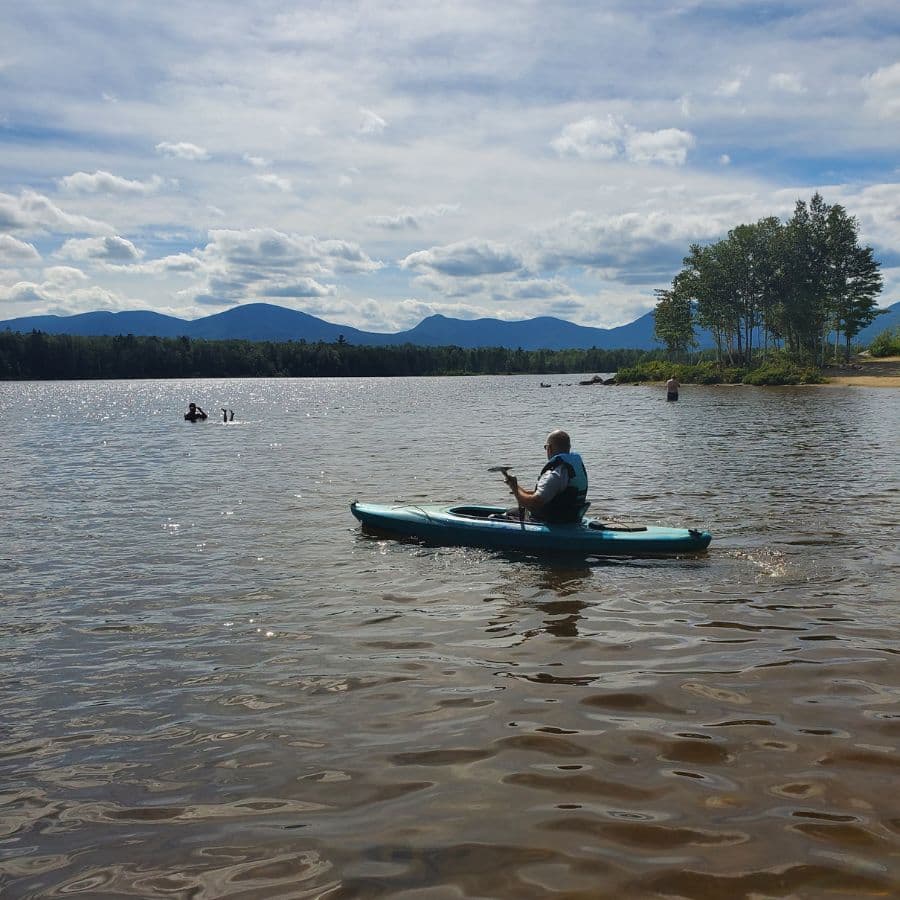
(672, 386)
(194, 413)
(227, 415)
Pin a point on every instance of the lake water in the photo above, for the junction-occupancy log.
(215, 686)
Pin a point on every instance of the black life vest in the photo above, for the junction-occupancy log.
(567, 506)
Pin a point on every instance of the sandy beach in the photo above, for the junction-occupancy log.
(866, 372)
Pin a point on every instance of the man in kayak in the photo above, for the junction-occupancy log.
(194, 413)
(559, 495)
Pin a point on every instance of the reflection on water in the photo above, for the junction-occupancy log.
(217, 687)
(562, 616)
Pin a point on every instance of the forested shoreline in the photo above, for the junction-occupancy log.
(49, 357)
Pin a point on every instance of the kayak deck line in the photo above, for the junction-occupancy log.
(491, 527)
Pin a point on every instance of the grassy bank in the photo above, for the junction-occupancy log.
(708, 372)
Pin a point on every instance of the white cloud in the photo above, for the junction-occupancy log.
(789, 82)
(371, 122)
(101, 182)
(24, 292)
(668, 146)
(60, 293)
(883, 89)
(299, 287)
(412, 218)
(539, 289)
(64, 276)
(236, 266)
(731, 87)
(257, 162)
(598, 139)
(177, 263)
(111, 249)
(503, 295)
(875, 206)
(591, 138)
(182, 150)
(615, 242)
(16, 252)
(394, 223)
(466, 259)
(271, 180)
(275, 249)
(33, 212)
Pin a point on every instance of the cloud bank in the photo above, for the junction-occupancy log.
(374, 163)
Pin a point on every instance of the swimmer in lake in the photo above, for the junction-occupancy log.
(194, 413)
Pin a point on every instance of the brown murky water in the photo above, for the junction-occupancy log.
(216, 686)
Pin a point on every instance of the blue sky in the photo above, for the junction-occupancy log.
(373, 163)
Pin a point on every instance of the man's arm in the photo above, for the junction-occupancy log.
(549, 485)
(525, 498)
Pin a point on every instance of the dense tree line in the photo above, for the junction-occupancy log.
(39, 356)
(785, 285)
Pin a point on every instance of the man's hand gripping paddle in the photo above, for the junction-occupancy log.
(512, 481)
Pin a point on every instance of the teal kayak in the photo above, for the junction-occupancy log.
(490, 527)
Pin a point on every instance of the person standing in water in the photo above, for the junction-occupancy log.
(194, 413)
(672, 386)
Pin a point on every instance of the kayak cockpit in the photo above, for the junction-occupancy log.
(499, 512)
(478, 512)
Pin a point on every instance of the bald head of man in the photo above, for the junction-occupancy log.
(558, 441)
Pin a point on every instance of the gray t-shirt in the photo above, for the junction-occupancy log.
(551, 483)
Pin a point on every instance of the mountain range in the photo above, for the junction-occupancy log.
(265, 322)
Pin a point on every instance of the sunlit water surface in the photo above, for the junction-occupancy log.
(215, 686)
